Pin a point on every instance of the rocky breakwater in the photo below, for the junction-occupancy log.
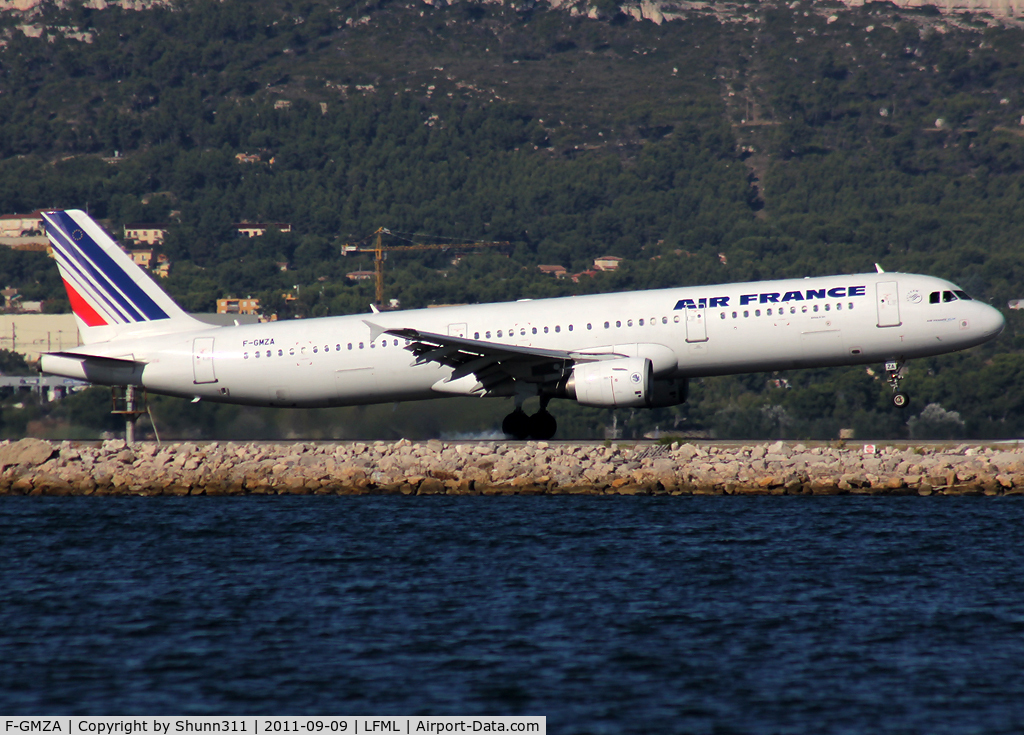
(35, 467)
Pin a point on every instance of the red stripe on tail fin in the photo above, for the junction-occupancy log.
(82, 309)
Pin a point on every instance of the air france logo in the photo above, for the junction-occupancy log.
(774, 297)
(635, 377)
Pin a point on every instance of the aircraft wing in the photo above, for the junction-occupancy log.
(491, 363)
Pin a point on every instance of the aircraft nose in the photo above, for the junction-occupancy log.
(992, 321)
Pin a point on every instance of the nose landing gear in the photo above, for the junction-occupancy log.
(541, 425)
(893, 376)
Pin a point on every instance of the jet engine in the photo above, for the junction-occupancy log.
(611, 383)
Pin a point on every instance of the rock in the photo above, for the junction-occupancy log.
(778, 447)
(38, 467)
(431, 486)
(687, 452)
(27, 452)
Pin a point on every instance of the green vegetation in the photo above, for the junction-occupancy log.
(788, 144)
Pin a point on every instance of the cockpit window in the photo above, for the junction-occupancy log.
(948, 296)
(962, 295)
(933, 297)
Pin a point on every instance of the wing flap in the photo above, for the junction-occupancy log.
(489, 368)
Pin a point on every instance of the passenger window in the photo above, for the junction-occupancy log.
(589, 326)
(522, 332)
(487, 335)
(570, 327)
(849, 305)
(360, 345)
(676, 318)
(545, 330)
(535, 330)
(618, 324)
(734, 315)
(722, 315)
(641, 322)
(933, 297)
(629, 322)
(337, 348)
(828, 307)
(606, 325)
(373, 345)
(350, 345)
(803, 309)
(558, 328)
(948, 296)
(280, 353)
(269, 353)
(499, 334)
(291, 351)
(746, 314)
(769, 312)
(245, 355)
(815, 308)
(664, 320)
(476, 335)
(792, 310)
(839, 307)
(315, 350)
(757, 312)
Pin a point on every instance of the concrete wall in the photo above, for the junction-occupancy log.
(33, 334)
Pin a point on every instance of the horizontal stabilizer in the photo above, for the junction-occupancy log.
(114, 361)
(93, 368)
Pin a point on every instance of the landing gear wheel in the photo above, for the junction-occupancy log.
(542, 425)
(894, 376)
(516, 424)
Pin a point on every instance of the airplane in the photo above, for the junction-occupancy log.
(636, 349)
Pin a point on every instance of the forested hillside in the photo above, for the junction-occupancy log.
(763, 140)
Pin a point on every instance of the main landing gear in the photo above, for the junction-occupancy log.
(893, 376)
(541, 425)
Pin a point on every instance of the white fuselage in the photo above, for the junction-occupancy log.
(685, 332)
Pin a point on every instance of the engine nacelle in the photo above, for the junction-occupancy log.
(669, 392)
(612, 383)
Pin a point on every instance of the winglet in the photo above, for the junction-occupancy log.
(375, 330)
(879, 268)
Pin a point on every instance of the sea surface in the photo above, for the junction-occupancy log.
(604, 614)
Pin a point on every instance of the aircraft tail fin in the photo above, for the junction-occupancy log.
(111, 296)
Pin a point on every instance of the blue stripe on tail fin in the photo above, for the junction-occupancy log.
(109, 293)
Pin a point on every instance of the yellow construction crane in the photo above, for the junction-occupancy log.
(379, 248)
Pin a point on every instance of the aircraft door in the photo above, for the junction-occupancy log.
(457, 330)
(696, 325)
(202, 361)
(888, 302)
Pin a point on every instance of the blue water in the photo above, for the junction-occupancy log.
(606, 614)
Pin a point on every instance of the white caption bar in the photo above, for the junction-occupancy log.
(269, 725)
